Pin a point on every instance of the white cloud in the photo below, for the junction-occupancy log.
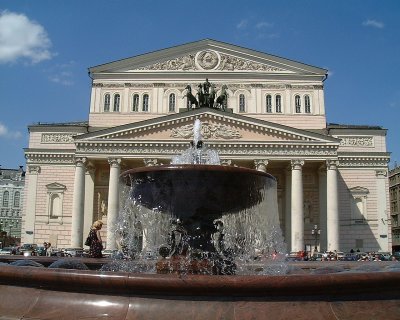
(374, 24)
(242, 24)
(5, 133)
(22, 38)
(263, 24)
(62, 74)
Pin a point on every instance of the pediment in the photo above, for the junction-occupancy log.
(208, 56)
(217, 127)
(55, 186)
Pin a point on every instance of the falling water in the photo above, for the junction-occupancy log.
(251, 235)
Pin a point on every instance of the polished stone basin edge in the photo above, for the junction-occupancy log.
(380, 284)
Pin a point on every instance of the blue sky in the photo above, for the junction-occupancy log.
(47, 46)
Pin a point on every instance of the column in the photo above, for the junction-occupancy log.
(322, 207)
(288, 207)
(89, 198)
(261, 165)
(297, 212)
(28, 230)
(332, 209)
(78, 203)
(113, 201)
(382, 234)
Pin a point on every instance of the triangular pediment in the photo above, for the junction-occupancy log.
(55, 186)
(207, 56)
(217, 127)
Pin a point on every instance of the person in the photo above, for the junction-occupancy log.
(96, 244)
(49, 249)
(44, 253)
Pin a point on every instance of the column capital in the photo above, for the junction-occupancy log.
(90, 168)
(150, 162)
(34, 169)
(80, 161)
(381, 173)
(297, 164)
(114, 162)
(332, 164)
(226, 162)
(261, 164)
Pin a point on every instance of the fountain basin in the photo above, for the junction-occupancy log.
(40, 293)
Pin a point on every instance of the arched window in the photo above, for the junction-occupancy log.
(269, 103)
(242, 103)
(171, 102)
(307, 104)
(17, 197)
(278, 104)
(6, 196)
(146, 102)
(135, 103)
(117, 99)
(107, 103)
(297, 103)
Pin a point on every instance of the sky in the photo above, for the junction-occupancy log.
(46, 48)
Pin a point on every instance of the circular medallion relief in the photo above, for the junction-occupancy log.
(207, 59)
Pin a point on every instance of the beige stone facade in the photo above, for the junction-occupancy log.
(332, 176)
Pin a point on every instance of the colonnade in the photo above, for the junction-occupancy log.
(294, 211)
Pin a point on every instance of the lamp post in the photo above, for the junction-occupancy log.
(316, 232)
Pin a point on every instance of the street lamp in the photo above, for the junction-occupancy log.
(316, 232)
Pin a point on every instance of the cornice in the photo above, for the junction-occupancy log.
(362, 161)
(33, 157)
(132, 149)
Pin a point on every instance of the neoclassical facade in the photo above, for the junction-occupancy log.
(330, 177)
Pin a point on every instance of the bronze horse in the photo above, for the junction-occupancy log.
(222, 99)
(201, 96)
(191, 98)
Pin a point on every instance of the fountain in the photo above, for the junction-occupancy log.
(207, 243)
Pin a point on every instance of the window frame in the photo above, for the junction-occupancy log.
(107, 102)
(268, 103)
(116, 102)
(242, 102)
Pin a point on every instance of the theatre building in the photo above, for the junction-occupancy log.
(332, 178)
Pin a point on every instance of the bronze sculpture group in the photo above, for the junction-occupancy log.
(206, 96)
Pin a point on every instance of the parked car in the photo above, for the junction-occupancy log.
(350, 257)
(6, 251)
(317, 256)
(28, 249)
(73, 252)
(108, 253)
(41, 251)
(395, 256)
(385, 256)
(340, 255)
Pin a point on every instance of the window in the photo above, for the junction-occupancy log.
(135, 103)
(107, 103)
(297, 103)
(55, 197)
(171, 102)
(6, 196)
(278, 104)
(307, 104)
(146, 102)
(358, 202)
(242, 103)
(117, 99)
(17, 197)
(269, 103)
